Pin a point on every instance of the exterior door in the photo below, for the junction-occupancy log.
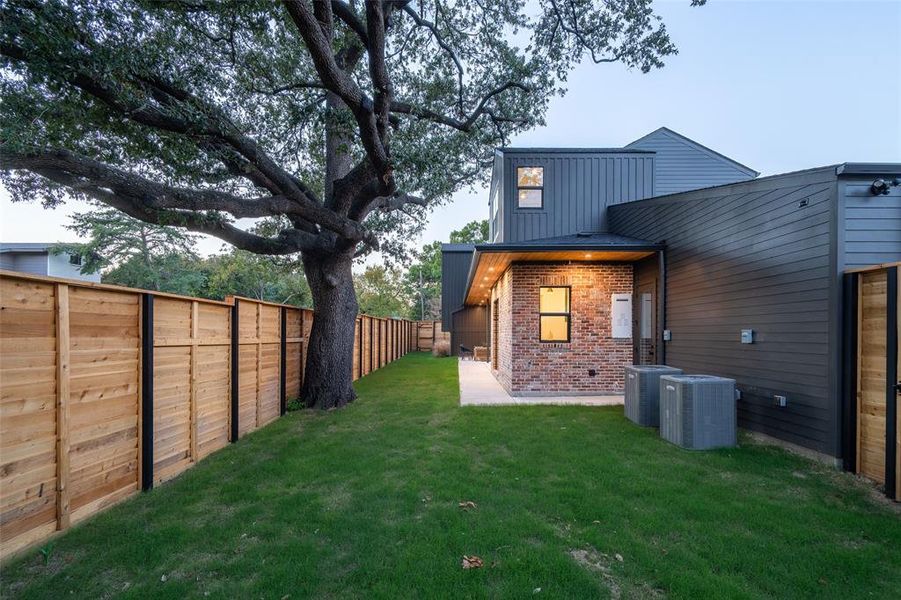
(494, 331)
(644, 334)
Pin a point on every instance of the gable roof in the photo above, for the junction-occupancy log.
(666, 131)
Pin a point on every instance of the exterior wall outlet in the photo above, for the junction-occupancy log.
(747, 336)
(781, 401)
(737, 394)
(667, 335)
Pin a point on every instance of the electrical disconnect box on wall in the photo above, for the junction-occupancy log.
(621, 312)
(667, 335)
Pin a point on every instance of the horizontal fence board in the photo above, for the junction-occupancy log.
(71, 370)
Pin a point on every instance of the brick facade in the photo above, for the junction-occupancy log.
(529, 366)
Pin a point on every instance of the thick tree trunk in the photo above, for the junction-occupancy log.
(328, 375)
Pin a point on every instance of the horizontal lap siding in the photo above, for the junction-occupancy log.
(872, 224)
(748, 257)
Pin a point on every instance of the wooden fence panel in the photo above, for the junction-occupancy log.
(212, 379)
(102, 447)
(293, 352)
(28, 407)
(72, 376)
(269, 396)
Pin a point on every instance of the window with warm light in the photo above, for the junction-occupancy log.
(529, 187)
(554, 314)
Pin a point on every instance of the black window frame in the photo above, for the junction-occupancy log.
(568, 315)
(540, 188)
(76, 260)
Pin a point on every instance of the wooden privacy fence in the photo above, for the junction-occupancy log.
(428, 332)
(873, 364)
(107, 390)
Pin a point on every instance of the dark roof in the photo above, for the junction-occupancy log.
(592, 240)
(457, 247)
(868, 169)
(515, 150)
(700, 147)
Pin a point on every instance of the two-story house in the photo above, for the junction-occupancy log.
(665, 251)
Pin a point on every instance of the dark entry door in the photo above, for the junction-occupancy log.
(644, 338)
(494, 332)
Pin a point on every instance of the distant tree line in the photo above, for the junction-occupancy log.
(134, 253)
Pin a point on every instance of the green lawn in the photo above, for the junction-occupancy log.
(571, 502)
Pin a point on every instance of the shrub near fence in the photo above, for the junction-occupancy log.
(107, 390)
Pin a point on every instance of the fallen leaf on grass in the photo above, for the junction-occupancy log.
(468, 505)
(618, 557)
(472, 562)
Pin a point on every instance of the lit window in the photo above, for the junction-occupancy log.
(530, 187)
(554, 314)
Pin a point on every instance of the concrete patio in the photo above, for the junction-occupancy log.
(478, 387)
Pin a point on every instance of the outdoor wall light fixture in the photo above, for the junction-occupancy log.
(881, 187)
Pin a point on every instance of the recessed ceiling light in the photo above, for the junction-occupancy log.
(588, 255)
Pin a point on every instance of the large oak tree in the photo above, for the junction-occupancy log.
(342, 120)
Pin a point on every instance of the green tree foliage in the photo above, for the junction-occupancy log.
(474, 232)
(381, 293)
(345, 120)
(141, 254)
(422, 281)
(242, 273)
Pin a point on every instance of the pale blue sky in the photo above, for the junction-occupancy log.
(777, 85)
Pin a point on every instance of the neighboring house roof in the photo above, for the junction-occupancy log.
(701, 147)
(26, 246)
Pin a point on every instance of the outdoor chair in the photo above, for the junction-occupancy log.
(465, 352)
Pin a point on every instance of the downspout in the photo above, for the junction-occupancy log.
(661, 262)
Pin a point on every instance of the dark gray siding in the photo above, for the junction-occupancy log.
(682, 164)
(578, 188)
(470, 328)
(455, 261)
(748, 256)
(872, 224)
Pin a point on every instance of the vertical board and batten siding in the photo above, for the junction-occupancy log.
(578, 188)
(470, 328)
(71, 406)
(747, 256)
(456, 260)
(682, 165)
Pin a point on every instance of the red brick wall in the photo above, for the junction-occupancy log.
(502, 293)
(528, 366)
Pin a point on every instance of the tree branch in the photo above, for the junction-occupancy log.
(467, 124)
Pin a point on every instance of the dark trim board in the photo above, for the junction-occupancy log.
(891, 382)
(850, 289)
(146, 391)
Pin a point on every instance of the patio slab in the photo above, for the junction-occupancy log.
(478, 387)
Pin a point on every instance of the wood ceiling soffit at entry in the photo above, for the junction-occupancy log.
(499, 261)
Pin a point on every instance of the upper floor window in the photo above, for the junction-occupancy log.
(75, 259)
(529, 187)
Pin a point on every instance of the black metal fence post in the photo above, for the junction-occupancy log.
(849, 371)
(235, 368)
(147, 392)
(283, 398)
(891, 382)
